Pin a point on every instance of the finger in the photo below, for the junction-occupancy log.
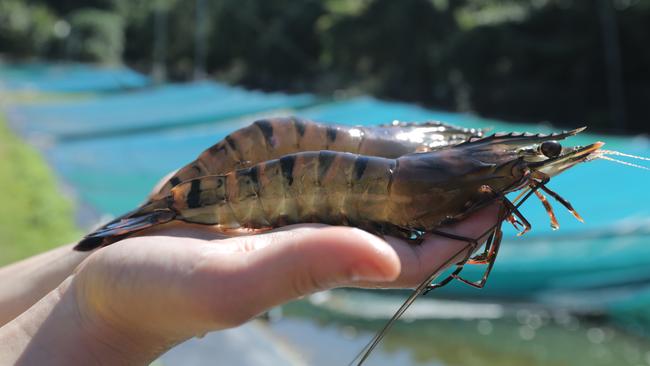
(303, 261)
(416, 261)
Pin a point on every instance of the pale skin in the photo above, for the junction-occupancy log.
(128, 303)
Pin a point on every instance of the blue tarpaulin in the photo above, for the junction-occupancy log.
(68, 78)
(167, 106)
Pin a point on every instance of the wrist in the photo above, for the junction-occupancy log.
(57, 330)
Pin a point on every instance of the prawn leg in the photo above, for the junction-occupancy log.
(514, 210)
(496, 237)
(549, 210)
(563, 201)
(492, 244)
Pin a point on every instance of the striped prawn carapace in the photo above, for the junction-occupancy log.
(406, 197)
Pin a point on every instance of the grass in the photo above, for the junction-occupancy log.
(41, 97)
(34, 214)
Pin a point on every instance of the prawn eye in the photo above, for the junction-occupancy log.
(550, 149)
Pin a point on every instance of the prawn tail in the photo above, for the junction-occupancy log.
(124, 226)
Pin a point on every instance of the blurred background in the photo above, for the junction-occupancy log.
(99, 99)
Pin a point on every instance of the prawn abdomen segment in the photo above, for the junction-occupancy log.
(321, 186)
(204, 201)
(273, 138)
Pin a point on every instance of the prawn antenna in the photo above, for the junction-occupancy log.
(363, 355)
(618, 153)
(623, 162)
(602, 154)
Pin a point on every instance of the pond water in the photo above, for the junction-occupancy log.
(526, 337)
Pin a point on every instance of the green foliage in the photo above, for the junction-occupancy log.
(25, 29)
(97, 35)
(67, 6)
(138, 31)
(35, 216)
(529, 61)
(556, 53)
(396, 61)
(269, 44)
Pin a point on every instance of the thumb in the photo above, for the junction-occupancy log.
(306, 260)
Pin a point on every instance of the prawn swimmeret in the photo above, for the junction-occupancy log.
(405, 180)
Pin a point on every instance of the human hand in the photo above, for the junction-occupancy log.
(142, 295)
(131, 301)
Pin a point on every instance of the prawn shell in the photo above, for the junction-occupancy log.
(272, 138)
